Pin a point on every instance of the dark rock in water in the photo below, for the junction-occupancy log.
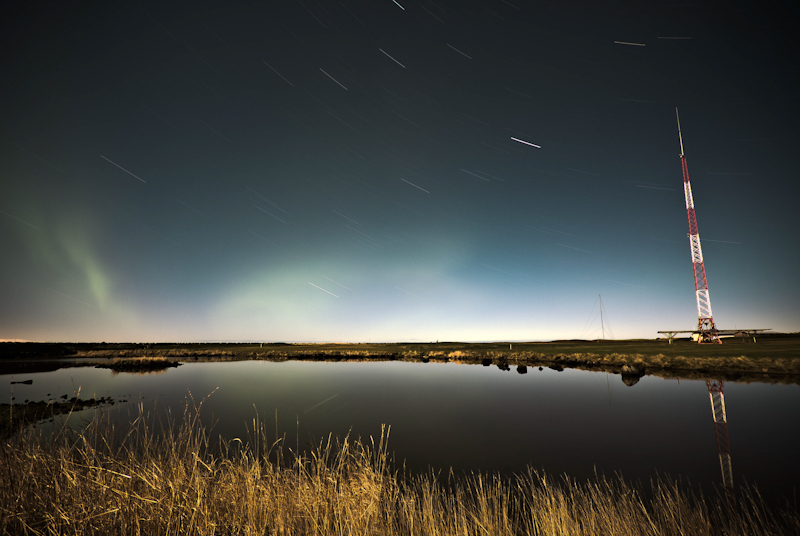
(503, 367)
(630, 379)
(486, 362)
(631, 375)
(522, 369)
(426, 360)
(540, 369)
(557, 368)
(26, 382)
(631, 369)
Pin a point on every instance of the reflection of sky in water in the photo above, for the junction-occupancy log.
(478, 418)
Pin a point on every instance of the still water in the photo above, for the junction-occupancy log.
(475, 418)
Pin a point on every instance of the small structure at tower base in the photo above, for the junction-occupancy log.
(702, 337)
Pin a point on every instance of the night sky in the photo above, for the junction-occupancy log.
(394, 171)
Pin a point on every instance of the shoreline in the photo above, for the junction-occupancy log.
(776, 359)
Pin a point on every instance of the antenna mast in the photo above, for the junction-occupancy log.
(706, 330)
(602, 326)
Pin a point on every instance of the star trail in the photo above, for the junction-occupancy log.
(457, 170)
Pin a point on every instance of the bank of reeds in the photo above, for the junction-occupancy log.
(142, 364)
(149, 352)
(172, 479)
(772, 368)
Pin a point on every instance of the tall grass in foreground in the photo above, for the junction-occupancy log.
(172, 479)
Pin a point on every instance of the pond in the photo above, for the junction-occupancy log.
(475, 418)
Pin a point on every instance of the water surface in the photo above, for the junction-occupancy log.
(475, 418)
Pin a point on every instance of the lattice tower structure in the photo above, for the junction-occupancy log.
(721, 431)
(706, 330)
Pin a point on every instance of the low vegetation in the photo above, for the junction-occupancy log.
(139, 364)
(170, 478)
(775, 358)
(16, 416)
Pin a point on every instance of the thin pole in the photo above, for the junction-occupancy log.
(602, 326)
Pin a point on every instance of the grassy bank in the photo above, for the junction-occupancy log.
(775, 358)
(177, 481)
(785, 345)
(143, 364)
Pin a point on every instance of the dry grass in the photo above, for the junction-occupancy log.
(149, 352)
(177, 481)
(774, 359)
(144, 364)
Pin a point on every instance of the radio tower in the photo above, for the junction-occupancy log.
(706, 331)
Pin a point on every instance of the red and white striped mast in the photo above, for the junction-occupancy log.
(706, 330)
